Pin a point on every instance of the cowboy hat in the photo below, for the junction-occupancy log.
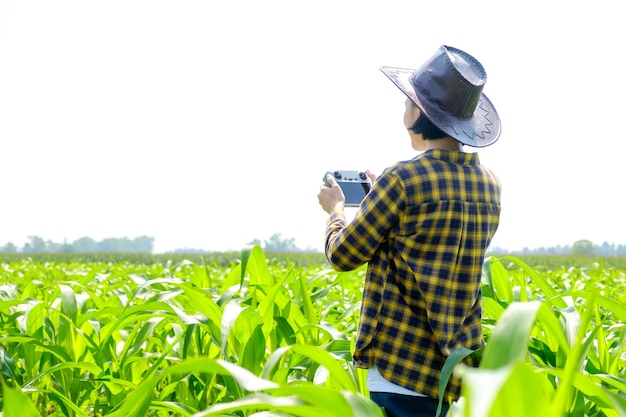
(448, 90)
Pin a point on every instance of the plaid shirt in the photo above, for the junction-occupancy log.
(423, 229)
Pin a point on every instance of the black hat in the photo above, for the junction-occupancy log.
(448, 90)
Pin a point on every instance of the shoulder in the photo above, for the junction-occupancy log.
(409, 170)
(491, 175)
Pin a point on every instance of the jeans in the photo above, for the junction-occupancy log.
(398, 405)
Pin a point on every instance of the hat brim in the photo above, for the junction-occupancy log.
(481, 130)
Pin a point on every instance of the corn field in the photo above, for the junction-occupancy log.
(264, 338)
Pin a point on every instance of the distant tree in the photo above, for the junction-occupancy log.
(53, 247)
(110, 245)
(606, 249)
(66, 247)
(34, 245)
(255, 242)
(277, 244)
(84, 245)
(496, 250)
(583, 247)
(9, 248)
(143, 244)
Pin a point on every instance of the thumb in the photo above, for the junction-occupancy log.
(330, 178)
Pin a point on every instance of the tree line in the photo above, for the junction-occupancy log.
(276, 243)
(142, 244)
(580, 247)
(36, 244)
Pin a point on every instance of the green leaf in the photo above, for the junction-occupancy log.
(135, 314)
(199, 301)
(548, 291)
(553, 332)
(16, 404)
(274, 360)
(139, 400)
(254, 352)
(82, 366)
(231, 313)
(266, 306)
(597, 393)
(256, 266)
(245, 256)
(309, 311)
(513, 390)
(498, 279)
(571, 323)
(327, 401)
(66, 333)
(35, 319)
(491, 308)
(245, 378)
(481, 387)
(69, 307)
(303, 401)
(617, 309)
(451, 362)
(66, 403)
(234, 278)
(508, 343)
(5, 305)
(292, 406)
(574, 362)
(362, 406)
(525, 393)
(138, 337)
(339, 376)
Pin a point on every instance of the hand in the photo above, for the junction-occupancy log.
(370, 175)
(331, 198)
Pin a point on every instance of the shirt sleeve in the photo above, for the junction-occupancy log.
(350, 245)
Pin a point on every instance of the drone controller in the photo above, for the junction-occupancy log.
(354, 184)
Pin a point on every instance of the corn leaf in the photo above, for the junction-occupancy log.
(508, 343)
(16, 404)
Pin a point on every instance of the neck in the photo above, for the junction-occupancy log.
(447, 143)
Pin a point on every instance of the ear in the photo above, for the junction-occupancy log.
(411, 113)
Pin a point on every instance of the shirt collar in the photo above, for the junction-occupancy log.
(454, 157)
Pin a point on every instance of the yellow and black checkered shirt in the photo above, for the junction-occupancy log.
(423, 229)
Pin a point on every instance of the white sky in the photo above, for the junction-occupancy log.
(207, 124)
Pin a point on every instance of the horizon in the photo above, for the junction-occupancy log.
(263, 242)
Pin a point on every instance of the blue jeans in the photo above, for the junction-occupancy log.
(398, 405)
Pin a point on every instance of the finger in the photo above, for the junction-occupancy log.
(331, 180)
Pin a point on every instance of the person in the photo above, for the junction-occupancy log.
(423, 230)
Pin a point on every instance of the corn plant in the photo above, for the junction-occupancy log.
(267, 338)
(183, 339)
(555, 344)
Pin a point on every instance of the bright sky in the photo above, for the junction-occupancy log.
(207, 124)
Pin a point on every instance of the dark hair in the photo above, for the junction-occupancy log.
(426, 128)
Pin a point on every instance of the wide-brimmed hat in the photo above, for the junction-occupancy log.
(448, 89)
